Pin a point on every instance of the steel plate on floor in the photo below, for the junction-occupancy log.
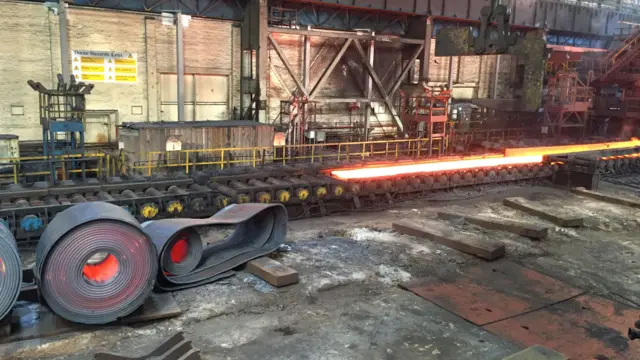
(492, 291)
(587, 327)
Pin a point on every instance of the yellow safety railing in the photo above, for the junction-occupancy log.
(105, 164)
(101, 160)
(222, 158)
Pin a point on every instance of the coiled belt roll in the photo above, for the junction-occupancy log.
(185, 262)
(94, 264)
(10, 271)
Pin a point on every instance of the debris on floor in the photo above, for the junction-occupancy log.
(559, 217)
(467, 243)
(272, 272)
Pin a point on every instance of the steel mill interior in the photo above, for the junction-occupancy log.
(320, 179)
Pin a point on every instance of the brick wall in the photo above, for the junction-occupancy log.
(211, 47)
(25, 53)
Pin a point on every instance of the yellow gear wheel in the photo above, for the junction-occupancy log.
(149, 211)
(223, 202)
(263, 197)
(338, 190)
(303, 194)
(175, 208)
(321, 192)
(284, 196)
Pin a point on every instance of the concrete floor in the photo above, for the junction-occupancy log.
(348, 305)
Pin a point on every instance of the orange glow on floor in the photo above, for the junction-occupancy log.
(103, 271)
(568, 149)
(434, 166)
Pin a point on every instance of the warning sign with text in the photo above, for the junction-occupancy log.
(104, 66)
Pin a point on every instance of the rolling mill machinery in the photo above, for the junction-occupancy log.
(305, 189)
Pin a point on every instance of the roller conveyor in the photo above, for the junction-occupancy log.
(27, 209)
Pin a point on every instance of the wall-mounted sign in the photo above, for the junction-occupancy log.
(104, 66)
(173, 144)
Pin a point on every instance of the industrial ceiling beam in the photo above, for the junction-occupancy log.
(282, 57)
(381, 89)
(346, 35)
(328, 70)
(406, 69)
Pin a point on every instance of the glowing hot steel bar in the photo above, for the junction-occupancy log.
(431, 167)
(568, 149)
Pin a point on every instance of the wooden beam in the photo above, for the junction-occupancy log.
(381, 89)
(530, 230)
(556, 216)
(272, 272)
(406, 69)
(282, 57)
(328, 70)
(470, 244)
(607, 198)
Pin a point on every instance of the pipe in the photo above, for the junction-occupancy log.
(64, 40)
(180, 64)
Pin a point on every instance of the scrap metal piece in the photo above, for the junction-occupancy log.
(176, 348)
(260, 230)
(597, 323)
(492, 292)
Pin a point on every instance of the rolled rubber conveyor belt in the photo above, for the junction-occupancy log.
(10, 271)
(185, 262)
(94, 264)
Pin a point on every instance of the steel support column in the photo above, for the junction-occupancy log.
(368, 88)
(405, 70)
(450, 76)
(284, 60)
(254, 60)
(328, 70)
(180, 64)
(306, 74)
(64, 39)
(381, 89)
(496, 77)
(425, 60)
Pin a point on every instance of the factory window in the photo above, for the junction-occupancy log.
(17, 110)
(206, 97)
(136, 110)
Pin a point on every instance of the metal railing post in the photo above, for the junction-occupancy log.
(148, 164)
(187, 162)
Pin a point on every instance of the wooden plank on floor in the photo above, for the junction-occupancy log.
(613, 199)
(536, 353)
(272, 272)
(470, 244)
(530, 230)
(557, 216)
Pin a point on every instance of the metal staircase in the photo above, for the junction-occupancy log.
(615, 60)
